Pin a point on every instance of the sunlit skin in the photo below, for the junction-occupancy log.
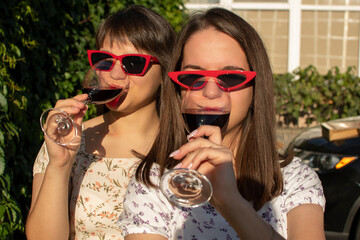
(213, 50)
(142, 89)
(139, 104)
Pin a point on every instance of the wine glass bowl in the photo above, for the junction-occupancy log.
(101, 88)
(206, 102)
(99, 85)
(186, 187)
(58, 126)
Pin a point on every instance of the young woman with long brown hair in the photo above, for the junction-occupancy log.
(257, 192)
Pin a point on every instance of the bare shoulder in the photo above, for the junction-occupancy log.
(94, 122)
(95, 131)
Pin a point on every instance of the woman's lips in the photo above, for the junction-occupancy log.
(118, 100)
(113, 103)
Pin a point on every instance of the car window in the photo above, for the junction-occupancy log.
(349, 146)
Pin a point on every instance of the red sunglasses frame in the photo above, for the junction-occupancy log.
(148, 59)
(250, 75)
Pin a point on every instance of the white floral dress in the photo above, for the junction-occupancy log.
(98, 188)
(146, 210)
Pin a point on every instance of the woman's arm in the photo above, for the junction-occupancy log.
(147, 236)
(304, 221)
(209, 157)
(49, 214)
(49, 211)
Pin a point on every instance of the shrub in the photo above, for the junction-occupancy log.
(307, 94)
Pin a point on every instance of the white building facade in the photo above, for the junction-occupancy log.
(297, 33)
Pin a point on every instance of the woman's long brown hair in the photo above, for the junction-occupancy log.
(257, 161)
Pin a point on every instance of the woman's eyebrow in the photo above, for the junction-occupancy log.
(192, 67)
(234, 68)
(229, 67)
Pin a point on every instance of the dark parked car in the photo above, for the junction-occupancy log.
(338, 166)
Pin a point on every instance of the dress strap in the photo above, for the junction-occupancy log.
(82, 145)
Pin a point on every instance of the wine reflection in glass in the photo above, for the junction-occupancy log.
(59, 126)
(206, 102)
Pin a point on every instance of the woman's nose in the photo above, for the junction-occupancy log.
(211, 89)
(117, 73)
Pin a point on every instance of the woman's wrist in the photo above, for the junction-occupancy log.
(59, 169)
(225, 204)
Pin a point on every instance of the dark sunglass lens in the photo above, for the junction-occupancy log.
(134, 64)
(98, 56)
(189, 79)
(232, 79)
(104, 65)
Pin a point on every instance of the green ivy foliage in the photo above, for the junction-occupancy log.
(43, 58)
(307, 94)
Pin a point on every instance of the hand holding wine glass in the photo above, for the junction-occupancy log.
(207, 102)
(59, 126)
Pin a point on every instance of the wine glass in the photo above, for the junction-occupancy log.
(205, 103)
(59, 126)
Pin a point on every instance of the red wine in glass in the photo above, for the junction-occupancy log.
(196, 118)
(209, 105)
(101, 96)
(59, 126)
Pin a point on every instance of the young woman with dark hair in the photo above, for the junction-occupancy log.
(257, 192)
(78, 189)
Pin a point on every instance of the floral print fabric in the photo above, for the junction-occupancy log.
(98, 186)
(146, 210)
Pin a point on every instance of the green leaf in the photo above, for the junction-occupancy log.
(3, 103)
(2, 162)
(1, 138)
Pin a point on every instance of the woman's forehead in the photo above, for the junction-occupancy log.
(213, 50)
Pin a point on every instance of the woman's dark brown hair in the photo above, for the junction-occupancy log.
(144, 28)
(257, 160)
